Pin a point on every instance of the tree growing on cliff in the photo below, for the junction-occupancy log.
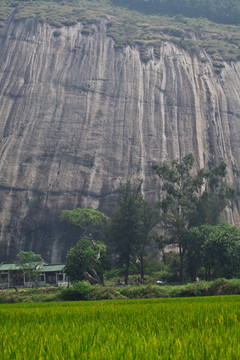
(87, 260)
(188, 200)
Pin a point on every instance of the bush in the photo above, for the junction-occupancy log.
(140, 292)
(189, 290)
(86, 31)
(218, 65)
(79, 291)
(113, 273)
(174, 31)
(105, 293)
(57, 33)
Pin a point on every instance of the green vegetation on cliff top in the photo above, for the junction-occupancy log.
(143, 24)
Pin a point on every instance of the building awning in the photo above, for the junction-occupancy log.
(48, 268)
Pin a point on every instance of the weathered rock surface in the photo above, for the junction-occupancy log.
(77, 115)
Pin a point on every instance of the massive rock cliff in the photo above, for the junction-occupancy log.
(77, 115)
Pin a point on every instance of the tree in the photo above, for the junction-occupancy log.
(130, 228)
(196, 238)
(89, 220)
(186, 199)
(87, 259)
(214, 198)
(147, 222)
(216, 248)
(221, 250)
(30, 263)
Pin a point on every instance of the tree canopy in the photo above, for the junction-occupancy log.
(189, 200)
(220, 11)
(89, 220)
(29, 263)
(87, 259)
(130, 228)
(188, 214)
(217, 249)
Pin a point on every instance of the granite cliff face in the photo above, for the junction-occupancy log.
(77, 115)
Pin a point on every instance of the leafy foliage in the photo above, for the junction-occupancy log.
(221, 251)
(223, 11)
(79, 291)
(216, 248)
(148, 25)
(131, 227)
(28, 262)
(86, 261)
(214, 198)
(89, 220)
(188, 200)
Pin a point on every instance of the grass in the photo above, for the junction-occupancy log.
(193, 328)
(133, 28)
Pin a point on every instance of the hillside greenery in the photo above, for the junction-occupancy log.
(145, 23)
(187, 217)
(222, 11)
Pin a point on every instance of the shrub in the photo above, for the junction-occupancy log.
(174, 31)
(69, 22)
(105, 293)
(218, 64)
(57, 33)
(234, 286)
(79, 291)
(138, 292)
(86, 31)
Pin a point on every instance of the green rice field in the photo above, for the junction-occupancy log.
(186, 328)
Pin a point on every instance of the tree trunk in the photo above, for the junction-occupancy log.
(102, 278)
(94, 278)
(126, 274)
(142, 270)
(181, 255)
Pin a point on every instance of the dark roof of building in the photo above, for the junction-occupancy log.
(6, 267)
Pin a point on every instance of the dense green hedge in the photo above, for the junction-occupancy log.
(84, 291)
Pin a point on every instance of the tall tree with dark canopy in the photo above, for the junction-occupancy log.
(130, 228)
(214, 198)
(149, 218)
(189, 200)
(217, 249)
